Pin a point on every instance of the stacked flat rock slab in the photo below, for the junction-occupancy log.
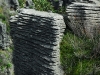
(4, 38)
(84, 19)
(36, 36)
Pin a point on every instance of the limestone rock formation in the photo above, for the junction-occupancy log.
(84, 19)
(29, 3)
(36, 36)
(10, 3)
(64, 3)
(4, 38)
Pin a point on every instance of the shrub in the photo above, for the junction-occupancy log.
(77, 57)
(2, 16)
(21, 3)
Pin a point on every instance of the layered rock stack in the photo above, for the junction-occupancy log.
(84, 19)
(4, 38)
(36, 36)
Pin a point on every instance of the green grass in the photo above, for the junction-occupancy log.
(76, 55)
(5, 55)
(5, 59)
(43, 5)
(2, 16)
(21, 2)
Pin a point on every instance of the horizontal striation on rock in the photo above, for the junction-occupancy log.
(84, 19)
(36, 36)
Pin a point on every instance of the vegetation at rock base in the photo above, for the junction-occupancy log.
(21, 3)
(77, 56)
(5, 60)
(5, 55)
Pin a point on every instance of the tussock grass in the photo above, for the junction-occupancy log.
(77, 57)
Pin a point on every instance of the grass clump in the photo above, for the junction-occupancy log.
(43, 5)
(2, 16)
(5, 60)
(77, 57)
(21, 3)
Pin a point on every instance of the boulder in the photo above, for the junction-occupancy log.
(14, 4)
(4, 38)
(36, 36)
(84, 19)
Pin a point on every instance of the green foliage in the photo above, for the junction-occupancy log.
(43, 5)
(77, 57)
(1, 10)
(5, 59)
(2, 16)
(21, 3)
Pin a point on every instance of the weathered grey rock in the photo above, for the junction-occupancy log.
(36, 36)
(64, 3)
(29, 3)
(6, 66)
(10, 3)
(14, 4)
(4, 38)
(84, 19)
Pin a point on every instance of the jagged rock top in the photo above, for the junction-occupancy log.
(40, 13)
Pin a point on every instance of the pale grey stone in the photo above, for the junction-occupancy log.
(84, 18)
(4, 38)
(10, 3)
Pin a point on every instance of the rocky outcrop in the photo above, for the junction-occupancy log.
(63, 3)
(29, 4)
(84, 19)
(10, 3)
(36, 36)
(4, 38)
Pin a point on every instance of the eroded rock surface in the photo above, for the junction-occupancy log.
(4, 38)
(29, 3)
(63, 3)
(36, 36)
(10, 3)
(84, 19)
